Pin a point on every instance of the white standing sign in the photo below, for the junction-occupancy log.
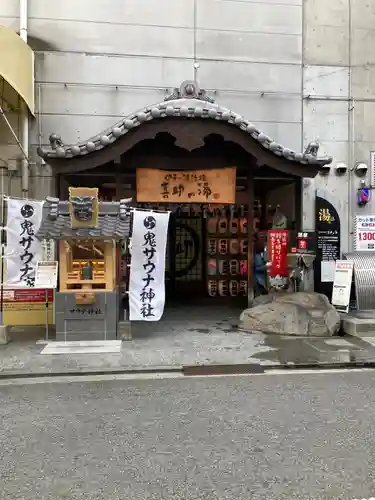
(46, 274)
(365, 233)
(24, 218)
(342, 285)
(147, 268)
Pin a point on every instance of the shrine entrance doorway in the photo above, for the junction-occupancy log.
(185, 273)
(208, 259)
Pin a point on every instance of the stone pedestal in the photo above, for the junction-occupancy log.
(4, 334)
(97, 321)
(359, 324)
(301, 265)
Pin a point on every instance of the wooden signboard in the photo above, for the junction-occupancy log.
(193, 186)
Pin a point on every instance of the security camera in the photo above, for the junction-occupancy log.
(341, 168)
(361, 169)
(324, 169)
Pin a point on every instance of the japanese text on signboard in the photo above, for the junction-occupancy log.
(278, 250)
(147, 293)
(173, 186)
(200, 186)
(305, 243)
(324, 215)
(365, 233)
(24, 217)
(147, 268)
(90, 311)
(27, 236)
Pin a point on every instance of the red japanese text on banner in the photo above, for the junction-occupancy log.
(278, 252)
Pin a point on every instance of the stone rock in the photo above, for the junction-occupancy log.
(300, 313)
(262, 299)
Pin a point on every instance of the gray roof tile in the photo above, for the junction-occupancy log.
(114, 221)
(189, 102)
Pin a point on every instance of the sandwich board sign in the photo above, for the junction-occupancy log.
(342, 285)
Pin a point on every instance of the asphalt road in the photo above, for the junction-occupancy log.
(261, 437)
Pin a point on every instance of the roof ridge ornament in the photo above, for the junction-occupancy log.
(312, 148)
(189, 89)
(55, 141)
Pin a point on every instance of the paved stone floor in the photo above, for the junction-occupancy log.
(267, 437)
(188, 337)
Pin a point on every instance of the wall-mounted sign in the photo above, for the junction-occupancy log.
(195, 186)
(327, 225)
(46, 274)
(305, 243)
(364, 226)
(49, 250)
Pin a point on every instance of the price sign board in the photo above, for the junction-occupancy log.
(342, 285)
(364, 233)
(46, 274)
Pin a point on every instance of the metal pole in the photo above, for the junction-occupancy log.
(47, 325)
(23, 20)
(2, 249)
(25, 111)
(2, 113)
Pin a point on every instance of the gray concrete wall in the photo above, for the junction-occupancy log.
(338, 98)
(10, 156)
(300, 69)
(97, 61)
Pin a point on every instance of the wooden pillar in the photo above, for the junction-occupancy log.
(298, 204)
(250, 235)
(118, 181)
(63, 187)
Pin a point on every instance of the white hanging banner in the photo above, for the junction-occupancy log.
(24, 217)
(147, 268)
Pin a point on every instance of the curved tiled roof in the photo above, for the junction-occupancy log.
(113, 221)
(186, 102)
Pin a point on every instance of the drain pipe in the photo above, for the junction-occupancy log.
(24, 112)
